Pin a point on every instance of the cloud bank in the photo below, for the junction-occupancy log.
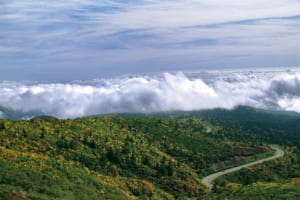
(169, 91)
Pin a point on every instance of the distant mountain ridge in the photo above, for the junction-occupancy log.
(8, 113)
(239, 111)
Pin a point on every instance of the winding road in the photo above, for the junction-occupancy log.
(207, 181)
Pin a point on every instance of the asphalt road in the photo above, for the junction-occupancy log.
(210, 178)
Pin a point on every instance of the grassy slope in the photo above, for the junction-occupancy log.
(289, 189)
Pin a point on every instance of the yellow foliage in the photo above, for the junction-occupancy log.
(295, 180)
(149, 186)
(235, 185)
(8, 152)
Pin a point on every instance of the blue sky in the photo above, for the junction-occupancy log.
(73, 39)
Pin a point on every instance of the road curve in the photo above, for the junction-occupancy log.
(207, 181)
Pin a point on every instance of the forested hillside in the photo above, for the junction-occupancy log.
(147, 157)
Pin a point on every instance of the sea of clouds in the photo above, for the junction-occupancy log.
(276, 90)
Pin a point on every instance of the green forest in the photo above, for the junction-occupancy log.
(153, 156)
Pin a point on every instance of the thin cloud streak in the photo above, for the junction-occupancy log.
(124, 36)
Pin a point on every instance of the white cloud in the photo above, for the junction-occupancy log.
(168, 14)
(270, 90)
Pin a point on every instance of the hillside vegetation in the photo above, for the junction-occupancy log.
(142, 157)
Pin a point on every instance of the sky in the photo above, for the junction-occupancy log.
(80, 40)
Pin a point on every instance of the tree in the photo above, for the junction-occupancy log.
(2, 126)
